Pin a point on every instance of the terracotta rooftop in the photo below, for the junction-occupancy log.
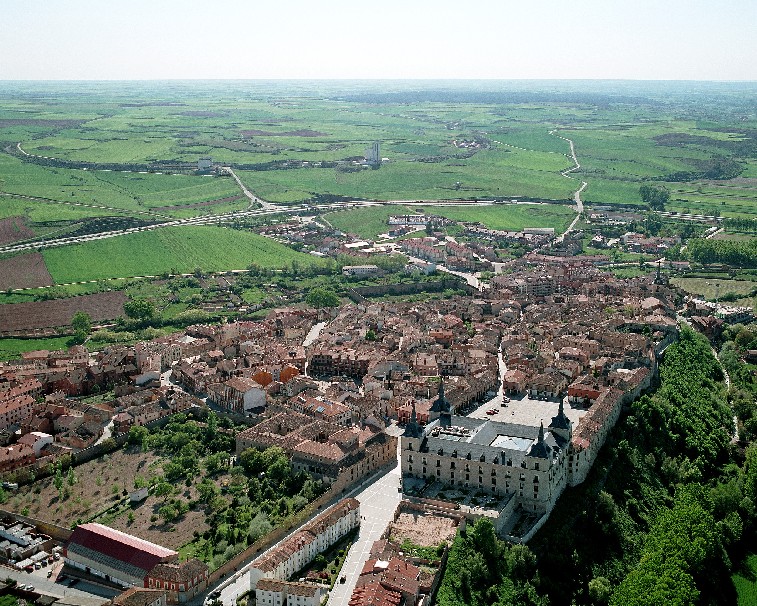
(121, 546)
(138, 596)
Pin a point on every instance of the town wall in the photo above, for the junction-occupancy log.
(59, 533)
(361, 293)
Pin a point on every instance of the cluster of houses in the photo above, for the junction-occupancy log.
(566, 333)
(389, 576)
(130, 562)
(392, 576)
(453, 255)
(324, 450)
(653, 245)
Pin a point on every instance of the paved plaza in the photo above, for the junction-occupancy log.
(524, 410)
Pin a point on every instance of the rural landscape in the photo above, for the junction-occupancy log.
(251, 330)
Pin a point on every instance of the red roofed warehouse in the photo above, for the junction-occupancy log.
(126, 560)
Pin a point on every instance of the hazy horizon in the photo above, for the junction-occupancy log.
(84, 40)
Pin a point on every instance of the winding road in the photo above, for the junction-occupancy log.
(566, 173)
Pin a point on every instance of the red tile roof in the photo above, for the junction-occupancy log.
(121, 546)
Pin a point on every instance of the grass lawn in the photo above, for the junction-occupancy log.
(369, 222)
(746, 583)
(172, 249)
(510, 217)
(707, 288)
(11, 348)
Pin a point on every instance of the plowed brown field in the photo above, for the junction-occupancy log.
(47, 314)
(24, 271)
(14, 229)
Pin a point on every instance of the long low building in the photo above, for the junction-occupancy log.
(128, 561)
(297, 551)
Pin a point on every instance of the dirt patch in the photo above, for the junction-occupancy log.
(11, 122)
(99, 486)
(48, 314)
(24, 271)
(289, 133)
(745, 182)
(202, 114)
(424, 530)
(154, 104)
(14, 229)
(200, 204)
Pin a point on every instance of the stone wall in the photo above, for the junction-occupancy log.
(59, 533)
(361, 293)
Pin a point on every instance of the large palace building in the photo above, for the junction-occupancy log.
(528, 464)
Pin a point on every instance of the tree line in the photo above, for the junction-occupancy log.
(728, 252)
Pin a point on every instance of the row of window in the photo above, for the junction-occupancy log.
(509, 462)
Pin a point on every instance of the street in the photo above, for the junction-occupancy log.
(48, 587)
(377, 504)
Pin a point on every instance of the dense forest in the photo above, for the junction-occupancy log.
(735, 253)
(666, 514)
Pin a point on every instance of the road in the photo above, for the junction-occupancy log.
(378, 496)
(47, 586)
(378, 500)
(469, 278)
(577, 194)
(252, 197)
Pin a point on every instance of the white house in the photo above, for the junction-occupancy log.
(37, 440)
(292, 555)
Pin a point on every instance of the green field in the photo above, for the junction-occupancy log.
(746, 583)
(172, 249)
(510, 217)
(11, 348)
(372, 221)
(74, 194)
(291, 144)
(710, 288)
(488, 174)
(366, 222)
(442, 141)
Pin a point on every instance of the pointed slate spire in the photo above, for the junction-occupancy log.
(561, 421)
(413, 430)
(540, 448)
(445, 417)
(439, 404)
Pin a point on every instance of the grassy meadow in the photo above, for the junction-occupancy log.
(289, 144)
(746, 584)
(494, 139)
(171, 249)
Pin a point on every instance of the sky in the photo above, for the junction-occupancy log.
(379, 39)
